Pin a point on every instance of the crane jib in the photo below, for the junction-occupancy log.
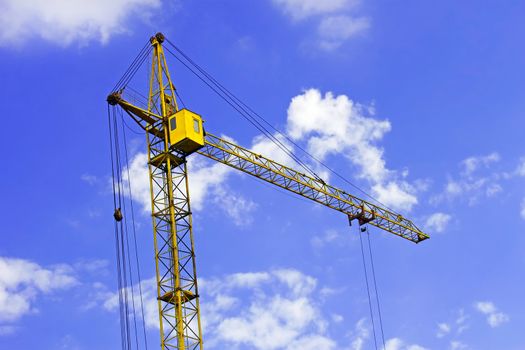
(287, 178)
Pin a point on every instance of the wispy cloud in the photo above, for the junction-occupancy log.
(437, 222)
(476, 180)
(303, 9)
(337, 22)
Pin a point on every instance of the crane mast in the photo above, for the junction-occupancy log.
(172, 134)
(177, 291)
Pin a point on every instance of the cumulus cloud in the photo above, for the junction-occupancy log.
(270, 310)
(437, 222)
(207, 181)
(337, 125)
(68, 21)
(325, 125)
(275, 309)
(22, 282)
(495, 318)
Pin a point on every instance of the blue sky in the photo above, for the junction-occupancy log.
(421, 104)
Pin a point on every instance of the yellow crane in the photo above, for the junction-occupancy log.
(174, 133)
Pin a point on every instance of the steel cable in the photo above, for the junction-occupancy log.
(239, 101)
(368, 288)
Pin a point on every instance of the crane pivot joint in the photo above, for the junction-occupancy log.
(114, 98)
(361, 217)
(159, 38)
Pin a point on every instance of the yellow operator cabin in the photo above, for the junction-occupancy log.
(186, 132)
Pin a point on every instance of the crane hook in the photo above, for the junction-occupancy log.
(118, 215)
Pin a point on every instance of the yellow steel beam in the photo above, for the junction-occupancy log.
(306, 186)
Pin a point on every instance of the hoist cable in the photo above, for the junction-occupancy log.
(129, 267)
(134, 235)
(368, 288)
(239, 101)
(129, 289)
(124, 342)
(249, 111)
(250, 119)
(133, 67)
(124, 273)
(180, 98)
(375, 287)
(246, 114)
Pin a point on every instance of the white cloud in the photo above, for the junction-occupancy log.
(237, 207)
(461, 321)
(474, 180)
(455, 327)
(471, 164)
(337, 125)
(206, 182)
(262, 145)
(301, 9)
(495, 318)
(399, 195)
(443, 329)
(22, 282)
(520, 171)
(359, 335)
(68, 21)
(335, 30)
(89, 179)
(204, 176)
(272, 310)
(328, 237)
(327, 125)
(138, 180)
(522, 211)
(437, 222)
(109, 300)
(399, 344)
(335, 24)
(457, 345)
(277, 309)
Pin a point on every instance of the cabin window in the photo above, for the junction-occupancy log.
(196, 125)
(173, 123)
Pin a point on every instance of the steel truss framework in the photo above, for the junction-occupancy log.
(289, 179)
(177, 291)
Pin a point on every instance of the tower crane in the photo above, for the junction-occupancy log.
(172, 135)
